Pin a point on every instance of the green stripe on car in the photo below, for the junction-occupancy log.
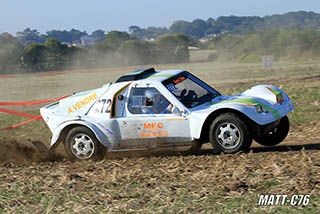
(160, 75)
(249, 101)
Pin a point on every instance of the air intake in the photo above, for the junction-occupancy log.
(137, 75)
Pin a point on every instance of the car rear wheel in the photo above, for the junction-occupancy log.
(229, 134)
(81, 144)
(277, 135)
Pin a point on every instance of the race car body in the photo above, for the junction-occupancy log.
(152, 109)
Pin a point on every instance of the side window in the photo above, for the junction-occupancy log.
(148, 101)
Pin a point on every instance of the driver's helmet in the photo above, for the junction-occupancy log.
(151, 96)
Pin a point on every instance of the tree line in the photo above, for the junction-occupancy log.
(29, 36)
(293, 35)
(282, 44)
(116, 48)
(232, 25)
(195, 29)
(120, 48)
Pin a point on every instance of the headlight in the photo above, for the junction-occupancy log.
(280, 98)
(259, 108)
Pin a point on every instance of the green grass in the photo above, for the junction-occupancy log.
(200, 55)
(272, 183)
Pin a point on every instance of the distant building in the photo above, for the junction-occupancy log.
(148, 39)
(203, 40)
(212, 35)
(67, 43)
(87, 41)
(193, 48)
(76, 44)
(207, 38)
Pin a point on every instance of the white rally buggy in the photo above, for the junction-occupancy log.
(151, 109)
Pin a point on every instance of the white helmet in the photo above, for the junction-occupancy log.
(150, 95)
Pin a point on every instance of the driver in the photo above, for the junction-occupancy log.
(188, 98)
(156, 103)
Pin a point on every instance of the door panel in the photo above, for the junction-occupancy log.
(152, 132)
(148, 121)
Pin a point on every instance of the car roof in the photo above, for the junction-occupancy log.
(150, 74)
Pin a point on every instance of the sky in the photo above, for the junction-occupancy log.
(17, 15)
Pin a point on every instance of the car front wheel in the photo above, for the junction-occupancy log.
(81, 144)
(229, 134)
(277, 135)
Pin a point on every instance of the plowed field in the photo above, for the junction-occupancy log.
(35, 180)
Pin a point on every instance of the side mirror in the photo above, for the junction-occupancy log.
(176, 111)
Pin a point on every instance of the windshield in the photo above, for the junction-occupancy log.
(190, 90)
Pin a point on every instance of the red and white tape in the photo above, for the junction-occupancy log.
(68, 72)
(38, 117)
(32, 117)
(7, 77)
(17, 113)
(30, 102)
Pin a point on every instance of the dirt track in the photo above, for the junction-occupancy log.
(19, 151)
(33, 178)
(168, 183)
(25, 152)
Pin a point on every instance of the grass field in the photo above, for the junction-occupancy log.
(200, 55)
(33, 180)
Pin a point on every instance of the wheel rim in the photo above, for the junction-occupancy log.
(82, 146)
(228, 135)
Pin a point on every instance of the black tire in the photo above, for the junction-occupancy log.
(195, 147)
(277, 135)
(229, 134)
(88, 147)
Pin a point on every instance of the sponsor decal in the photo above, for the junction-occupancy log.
(106, 129)
(153, 130)
(78, 105)
(153, 125)
(175, 119)
(172, 88)
(180, 79)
